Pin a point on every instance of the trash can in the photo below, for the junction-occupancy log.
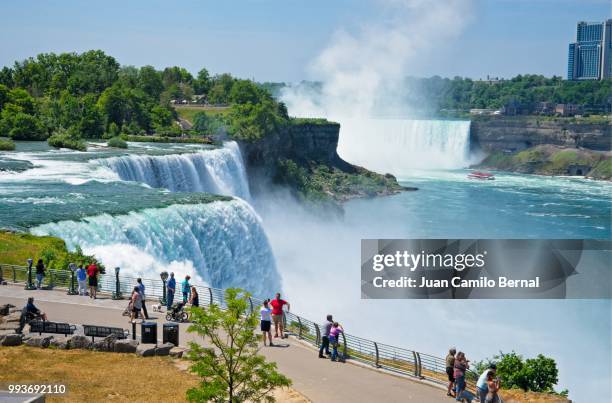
(148, 332)
(171, 333)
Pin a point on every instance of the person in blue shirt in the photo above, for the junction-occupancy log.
(32, 310)
(82, 280)
(481, 386)
(141, 291)
(186, 288)
(170, 290)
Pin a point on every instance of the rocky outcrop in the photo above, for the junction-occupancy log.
(513, 134)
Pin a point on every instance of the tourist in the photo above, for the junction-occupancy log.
(186, 288)
(481, 385)
(265, 314)
(277, 314)
(136, 302)
(92, 273)
(31, 310)
(195, 297)
(461, 365)
(170, 289)
(325, 339)
(493, 387)
(82, 280)
(141, 290)
(40, 273)
(334, 334)
(450, 369)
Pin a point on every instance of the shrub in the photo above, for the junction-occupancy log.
(67, 139)
(117, 142)
(7, 145)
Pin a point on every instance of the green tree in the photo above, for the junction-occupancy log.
(244, 91)
(232, 370)
(203, 123)
(541, 373)
(202, 83)
(149, 80)
(26, 127)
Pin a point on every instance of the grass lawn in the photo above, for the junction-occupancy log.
(17, 248)
(95, 376)
(188, 112)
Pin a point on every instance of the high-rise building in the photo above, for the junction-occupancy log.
(590, 57)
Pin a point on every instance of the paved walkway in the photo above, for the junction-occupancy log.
(319, 380)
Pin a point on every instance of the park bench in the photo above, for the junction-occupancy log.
(104, 331)
(40, 327)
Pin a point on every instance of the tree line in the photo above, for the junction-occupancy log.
(68, 97)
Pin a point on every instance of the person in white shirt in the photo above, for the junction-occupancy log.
(266, 321)
(481, 386)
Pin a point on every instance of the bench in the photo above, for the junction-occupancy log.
(40, 327)
(104, 331)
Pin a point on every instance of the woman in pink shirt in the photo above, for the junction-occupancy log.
(333, 339)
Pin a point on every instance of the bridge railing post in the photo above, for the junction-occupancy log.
(299, 327)
(419, 366)
(251, 304)
(377, 362)
(318, 332)
(416, 364)
(344, 350)
(210, 293)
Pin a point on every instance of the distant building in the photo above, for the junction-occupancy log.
(568, 109)
(544, 108)
(590, 57)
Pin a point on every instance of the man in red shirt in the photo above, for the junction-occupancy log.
(92, 272)
(277, 314)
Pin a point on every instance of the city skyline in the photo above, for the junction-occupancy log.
(274, 41)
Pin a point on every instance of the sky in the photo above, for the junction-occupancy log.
(277, 40)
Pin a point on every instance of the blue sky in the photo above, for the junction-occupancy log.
(278, 39)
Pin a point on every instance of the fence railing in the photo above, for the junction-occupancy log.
(394, 359)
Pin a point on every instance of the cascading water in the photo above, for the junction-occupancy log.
(223, 241)
(218, 171)
(400, 146)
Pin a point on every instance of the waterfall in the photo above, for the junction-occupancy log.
(219, 171)
(399, 146)
(224, 242)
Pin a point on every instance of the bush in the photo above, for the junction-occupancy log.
(117, 142)
(7, 145)
(67, 139)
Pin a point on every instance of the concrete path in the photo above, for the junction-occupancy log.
(318, 379)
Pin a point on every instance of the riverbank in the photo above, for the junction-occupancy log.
(554, 161)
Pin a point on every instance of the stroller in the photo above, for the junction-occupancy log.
(177, 313)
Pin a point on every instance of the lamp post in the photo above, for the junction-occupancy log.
(117, 293)
(164, 278)
(30, 284)
(71, 289)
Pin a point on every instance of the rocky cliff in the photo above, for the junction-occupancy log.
(513, 134)
(303, 156)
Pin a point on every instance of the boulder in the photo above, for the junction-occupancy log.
(59, 342)
(146, 350)
(11, 326)
(79, 342)
(177, 352)
(39, 341)
(106, 344)
(13, 317)
(125, 346)
(10, 340)
(164, 349)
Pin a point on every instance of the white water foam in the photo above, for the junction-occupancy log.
(223, 241)
(218, 171)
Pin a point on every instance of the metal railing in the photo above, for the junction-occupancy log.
(394, 359)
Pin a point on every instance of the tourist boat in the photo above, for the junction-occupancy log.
(481, 175)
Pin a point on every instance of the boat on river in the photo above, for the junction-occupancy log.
(481, 175)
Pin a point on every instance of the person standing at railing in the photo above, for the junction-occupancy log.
(141, 290)
(92, 273)
(265, 314)
(186, 288)
(481, 386)
(493, 387)
(325, 338)
(170, 289)
(82, 280)
(462, 364)
(194, 300)
(450, 369)
(277, 314)
(40, 273)
(334, 335)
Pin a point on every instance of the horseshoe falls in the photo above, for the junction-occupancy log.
(224, 241)
(401, 146)
(218, 171)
